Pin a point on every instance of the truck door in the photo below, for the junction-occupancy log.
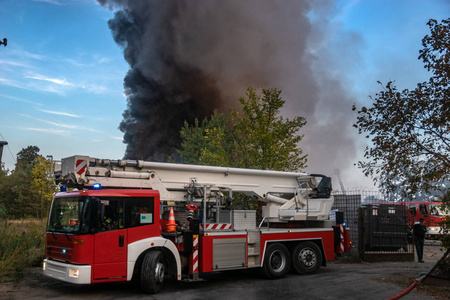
(110, 254)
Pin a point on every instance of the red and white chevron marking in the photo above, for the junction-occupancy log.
(80, 166)
(195, 255)
(342, 238)
(217, 226)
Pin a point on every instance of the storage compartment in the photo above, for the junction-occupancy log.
(244, 219)
(229, 253)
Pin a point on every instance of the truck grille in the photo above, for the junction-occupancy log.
(59, 250)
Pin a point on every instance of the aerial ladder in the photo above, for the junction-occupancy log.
(291, 196)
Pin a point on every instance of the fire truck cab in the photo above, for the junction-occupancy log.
(431, 211)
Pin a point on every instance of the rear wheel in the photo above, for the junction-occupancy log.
(307, 258)
(152, 272)
(276, 261)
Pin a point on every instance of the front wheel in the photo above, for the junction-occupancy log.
(152, 272)
(307, 258)
(276, 261)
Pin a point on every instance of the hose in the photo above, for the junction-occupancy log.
(409, 289)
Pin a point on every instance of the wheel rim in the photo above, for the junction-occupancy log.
(277, 261)
(159, 272)
(307, 257)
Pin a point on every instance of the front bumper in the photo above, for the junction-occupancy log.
(434, 230)
(79, 274)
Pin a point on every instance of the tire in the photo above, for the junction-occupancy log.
(306, 258)
(276, 261)
(152, 272)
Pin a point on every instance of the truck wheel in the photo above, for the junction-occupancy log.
(276, 261)
(152, 272)
(307, 258)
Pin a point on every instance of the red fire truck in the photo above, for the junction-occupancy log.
(151, 221)
(431, 211)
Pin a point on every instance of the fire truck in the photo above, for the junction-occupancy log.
(431, 211)
(123, 220)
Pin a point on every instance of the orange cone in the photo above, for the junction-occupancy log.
(171, 225)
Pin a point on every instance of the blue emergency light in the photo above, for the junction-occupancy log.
(97, 186)
(63, 188)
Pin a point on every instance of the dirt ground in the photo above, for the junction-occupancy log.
(433, 252)
(344, 281)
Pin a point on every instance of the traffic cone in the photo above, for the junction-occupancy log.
(171, 225)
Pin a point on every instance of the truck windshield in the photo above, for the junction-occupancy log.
(66, 215)
(438, 210)
(86, 215)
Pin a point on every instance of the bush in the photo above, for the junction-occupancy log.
(22, 246)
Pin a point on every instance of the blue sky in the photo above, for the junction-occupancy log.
(61, 74)
(61, 79)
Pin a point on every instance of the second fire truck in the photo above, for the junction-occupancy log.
(134, 220)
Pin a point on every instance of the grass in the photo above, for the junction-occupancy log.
(22, 245)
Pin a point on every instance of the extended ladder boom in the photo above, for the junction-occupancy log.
(282, 189)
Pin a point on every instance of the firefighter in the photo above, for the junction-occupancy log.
(419, 231)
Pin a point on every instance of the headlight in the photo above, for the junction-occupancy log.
(43, 266)
(74, 273)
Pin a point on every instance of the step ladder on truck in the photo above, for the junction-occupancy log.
(122, 220)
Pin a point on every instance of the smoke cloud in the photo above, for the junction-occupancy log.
(190, 57)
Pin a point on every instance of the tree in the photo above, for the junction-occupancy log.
(21, 190)
(27, 156)
(257, 138)
(43, 183)
(264, 139)
(409, 130)
(208, 143)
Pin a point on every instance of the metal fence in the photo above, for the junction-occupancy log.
(378, 227)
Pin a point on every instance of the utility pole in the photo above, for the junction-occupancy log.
(2, 143)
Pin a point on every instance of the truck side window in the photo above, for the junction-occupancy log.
(141, 211)
(412, 210)
(114, 214)
(423, 210)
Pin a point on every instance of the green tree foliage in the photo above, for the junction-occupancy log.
(27, 156)
(257, 138)
(208, 143)
(409, 129)
(264, 139)
(43, 183)
(21, 189)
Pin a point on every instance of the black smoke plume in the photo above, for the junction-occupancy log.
(189, 57)
(161, 91)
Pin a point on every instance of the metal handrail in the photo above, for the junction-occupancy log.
(262, 221)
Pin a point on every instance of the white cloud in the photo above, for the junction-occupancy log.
(56, 2)
(60, 113)
(14, 63)
(53, 131)
(63, 82)
(50, 122)
(12, 83)
(25, 54)
(19, 99)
